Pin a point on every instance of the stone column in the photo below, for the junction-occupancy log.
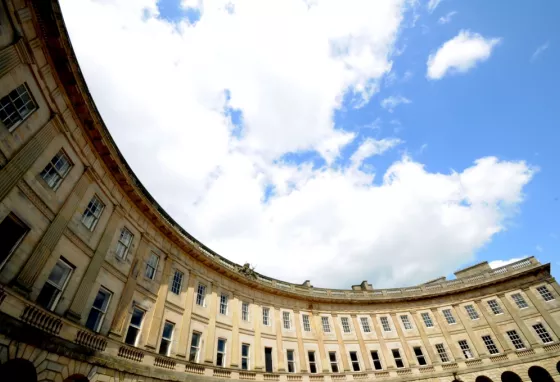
(20, 163)
(78, 306)
(183, 348)
(497, 333)
(475, 341)
(301, 349)
(123, 307)
(410, 358)
(508, 308)
(457, 353)
(235, 347)
(157, 319)
(279, 342)
(538, 303)
(36, 262)
(318, 328)
(382, 345)
(363, 349)
(211, 328)
(424, 337)
(340, 341)
(258, 351)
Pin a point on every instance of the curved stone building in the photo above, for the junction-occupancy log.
(98, 283)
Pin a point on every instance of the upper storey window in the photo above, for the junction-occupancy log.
(224, 303)
(406, 322)
(449, 316)
(326, 324)
(123, 245)
(345, 324)
(56, 170)
(545, 293)
(287, 320)
(490, 345)
(519, 301)
(442, 352)
(306, 323)
(16, 106)
(55, 284)
(473, 314)
(177, 282)
(245, 311)
(542, 333)
(201, 294)
(427, 320)
(92, 213)
(134, 327)
(465, 348)
(385, 324)
(515, 340)
(98, 310)
(266, 316)
(496, 308)
(365, 324)
(151, 266)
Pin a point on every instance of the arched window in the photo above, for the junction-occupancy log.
(538, 374)
(510, 376)
(18, 370)
(482, 378)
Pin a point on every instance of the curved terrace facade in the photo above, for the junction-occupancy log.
(98, 283)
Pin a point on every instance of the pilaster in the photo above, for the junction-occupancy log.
(538, 303)
(508, 307)
(340, 341)
(363, 349)
(258, 350)
(424, 337)
(474, 340)
(235, 347)
(457, 354)
(301, 349)
(156, 324)
(183, 348)
(411, 360)
(211, 328)
(279, 342)
(497, 333)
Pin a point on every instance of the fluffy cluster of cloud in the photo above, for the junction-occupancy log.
(171, 92)
(461, 53)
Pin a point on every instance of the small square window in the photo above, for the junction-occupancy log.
(92, 213)
(449, 316)
(542, 333)
(515, 340)
(385, 323)
(519, 301)
(406, 322)
(427, 320)
(545, 293)
(473, 314)
(490, 345)
(16, 106)
(465, 348)
(442, 353)
(56, 170)
(495, 307)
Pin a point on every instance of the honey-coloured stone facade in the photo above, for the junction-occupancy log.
(99, 283)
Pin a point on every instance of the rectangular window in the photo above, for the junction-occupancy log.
(398, 359)
(268, 359)
(427, 320)
(490, 345)
(365, 324)
(177, 282)
(134, 327)
(56, 170)
(473, 314)
(326, 324)
(266, 316)
(166, 336)
(287, 320)
(545, 293)
(306, 324)
(245, 311)
(16, 106)
(151, 266)
(98, 310)
(519, 301)
(542, 333)
(449, 316)
(291, 361)
(221, 353)
(354, 360)
(465, 348)
(333, 361)
(385, 324)
(312, 362)
(345, 324)
(406, 322)
(123, 244)
(201, 295)
(245, 356)
(195, 347)
(442, 353)
(515, 340)
(495, 307)
(92, 213)
(12, 231)
(376, 360)
(419, 355)
(55, 284)
(224, 298)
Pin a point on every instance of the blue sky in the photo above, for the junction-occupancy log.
(425, 141)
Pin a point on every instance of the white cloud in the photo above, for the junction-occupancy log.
(540, 50)
(539, 248)
(502, 263)
(447, 18)
(286, 64)
(432, 5)
(390, 103)
(461, 53)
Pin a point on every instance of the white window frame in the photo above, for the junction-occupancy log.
(449, 316)
(355, 362)
(326, 324)
(196, 346)
(102, 311)
(287, 320)
(223, 353)
(306, 323)
(123, 243)
(519, 301)
(420, 356)
(60, 288)
(466, 349)
(516, 340)
(406, 322)
(266, 316)
(490, 344)
(224, 303)
(20, 90)
(397, 357)
(545, 293)
(344, 321)
(246, 358)
(495, 307)
(96, 213)
(366, 328)
(201, 295)
(177, 282)
(375, 359)
(471, 312)
(52, 176)
(312, 363)
(151, 269)
(427, 319)
(333, 363)
(138, 327)
(245, 311)
(543, 334)
(442, 353)
(167, 340)
(290, 362)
